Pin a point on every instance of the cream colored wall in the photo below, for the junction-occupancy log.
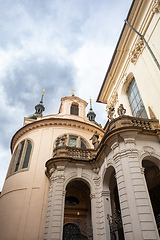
(24, 197)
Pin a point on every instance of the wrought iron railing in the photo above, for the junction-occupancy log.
(115, 223)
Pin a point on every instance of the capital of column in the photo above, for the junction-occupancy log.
(105, 193)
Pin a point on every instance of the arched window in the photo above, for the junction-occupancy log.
(135, 101)
(27, 155)
(71, 141)
(74, 109)
(21, 157)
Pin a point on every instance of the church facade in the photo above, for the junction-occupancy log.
(69, 178)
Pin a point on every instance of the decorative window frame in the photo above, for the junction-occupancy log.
(15, 156)
(78, 137)
(126, 83)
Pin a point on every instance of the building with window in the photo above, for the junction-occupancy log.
(70, 179)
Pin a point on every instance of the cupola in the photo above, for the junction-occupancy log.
(73, 105)
(39, 108)
(91, 114)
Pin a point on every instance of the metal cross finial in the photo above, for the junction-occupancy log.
(42, 96)
(73, 92)
(43, 92)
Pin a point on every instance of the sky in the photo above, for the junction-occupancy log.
(54, 45)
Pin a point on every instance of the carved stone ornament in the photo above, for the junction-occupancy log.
(149, 149)
(121, 110)
(111, 112)
(113, 100)
(138, 49)
(64, 140)
(95, 140)
(156, 6)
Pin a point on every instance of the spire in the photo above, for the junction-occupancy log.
(39, 108)
(91, 114)
(90, 104)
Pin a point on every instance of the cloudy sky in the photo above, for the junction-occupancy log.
(56, 45)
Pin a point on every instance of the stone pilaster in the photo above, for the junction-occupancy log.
(54, 218)
(137, 214)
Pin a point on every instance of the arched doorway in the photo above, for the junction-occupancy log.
(152, 175)
(114, 211)
(77, 212)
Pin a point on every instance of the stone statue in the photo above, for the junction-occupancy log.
(95, 140)
(57, 141)
(111, 113)
(121, 110)
(64, 139)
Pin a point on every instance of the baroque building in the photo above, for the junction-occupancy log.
(70, 179)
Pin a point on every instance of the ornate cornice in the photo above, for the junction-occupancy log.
(53, 123)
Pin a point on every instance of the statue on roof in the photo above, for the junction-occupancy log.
(121, 110)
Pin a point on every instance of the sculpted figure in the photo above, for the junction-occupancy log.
(57, 141)
(111, 113)
(121, 110)
(64, 139)
(95, 140)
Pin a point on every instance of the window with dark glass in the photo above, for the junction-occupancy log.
(135, 101)
(83, 145)
(74, 109)
(21, 157)
(73, 142)
(27, 155)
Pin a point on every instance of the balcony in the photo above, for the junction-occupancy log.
(128, 122)
(81, 154)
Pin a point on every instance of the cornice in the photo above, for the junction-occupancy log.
(52, 123)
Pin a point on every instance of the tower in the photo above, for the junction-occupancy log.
(49, 184)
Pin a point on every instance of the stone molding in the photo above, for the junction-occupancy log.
(114, 145)
(54, 122)
(156, 6)
(149, 150)
(142, 170)
(129, 140)
(105, 193)
(128, 153)
(92, 196)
